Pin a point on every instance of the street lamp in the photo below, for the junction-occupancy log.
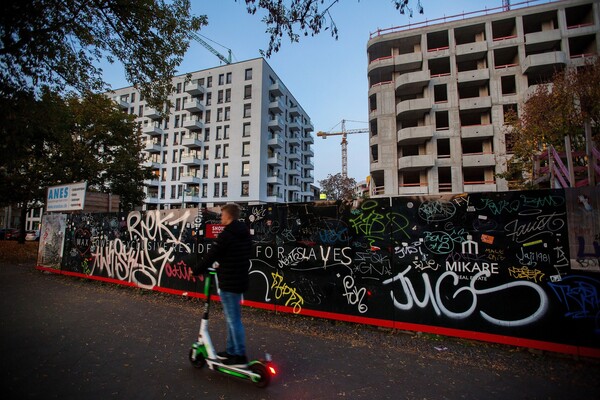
(188, 191)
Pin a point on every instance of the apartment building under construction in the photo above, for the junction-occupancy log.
(439, 91)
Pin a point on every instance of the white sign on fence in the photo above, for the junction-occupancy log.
(69, 197)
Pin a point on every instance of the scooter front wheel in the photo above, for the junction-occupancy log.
(200, 361)
(261, 370)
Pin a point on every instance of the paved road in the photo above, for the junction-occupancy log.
(69, 338)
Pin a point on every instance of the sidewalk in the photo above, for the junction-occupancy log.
(69, 338)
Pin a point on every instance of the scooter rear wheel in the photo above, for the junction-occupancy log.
(199, 362)
(261, 370)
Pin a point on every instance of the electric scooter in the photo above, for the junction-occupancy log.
(259, 372)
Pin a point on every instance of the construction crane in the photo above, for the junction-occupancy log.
(506, 5)
(226, 60)
(344, 143)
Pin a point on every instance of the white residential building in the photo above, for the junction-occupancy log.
(439, 90)
(235, 133)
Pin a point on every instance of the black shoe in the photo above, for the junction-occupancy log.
(223, 355)
(236, 361)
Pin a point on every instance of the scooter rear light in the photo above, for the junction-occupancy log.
(272, 371)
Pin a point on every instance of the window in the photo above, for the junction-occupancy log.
(218, 151)
(174, 173)
(246, 131)
(248, 74)
(221, 79)
(225, 170)
(225, 151)
(173, 191)
(227, 95)
(245, 188)
(219, 97)
(247, 110)
(219, 114)
(226, 132)
(208, 99)
(217, 187)
(218, 135)
(246, 149)
(207, 117)
(207, 134)
(224, 189)
(140, 111)
(177, 121)
(245, 168)
(508, 85)
(205, 171)
(178, 88)
(204, 190)
(228, 77)
(133, 97)
(217, 170)
(209, 81)
(443, 148)
(227, 113)
(247, 92)
(440, 93)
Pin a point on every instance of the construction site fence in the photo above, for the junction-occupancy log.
(518, 268)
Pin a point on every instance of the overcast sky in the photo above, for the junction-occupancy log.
(327, 77)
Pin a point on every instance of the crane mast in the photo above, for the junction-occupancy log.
(344, 133)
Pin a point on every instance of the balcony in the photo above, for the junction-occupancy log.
(195, 89)
(294, 156)
(190, 159)
(276, 124)
(551, 61)
(122, 104)
(152, 147)
(275, 179)
(309, 127)
(382, 65)
(308, 138)
(275, 159)
(408, 62)
(413, 188)
(296, 171)
(414, 108)
(294, 140)
(191, 142)
(152, 130)
(190, 179)
(476, 76)
(308, 165)
(479, 160)
(535, 38)
(152, 198)
(276, 89)
(151, 182)
(274, 197)
(416, 162)
(192, 124)
(471, 51)
(476, 103)
(194, 106)
(294, 111)
(276, 141)
(294, 126)
(479, 186)
(277, 106)
(152, 164)
(412, 82)
(151, 113)
(308, 152)
(477, 131)
(415, 134)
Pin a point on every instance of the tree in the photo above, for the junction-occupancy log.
(309, 17)
(555, 110)
(59, 43)
(51, 140)
(338, 187)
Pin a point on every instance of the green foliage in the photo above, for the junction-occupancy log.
(59, 44)
(303, 17)
(51, 141)
(338, 187)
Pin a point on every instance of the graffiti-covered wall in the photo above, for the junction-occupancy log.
(513, 267)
